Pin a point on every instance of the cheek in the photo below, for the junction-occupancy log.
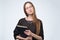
(32, 10)
(27, 11)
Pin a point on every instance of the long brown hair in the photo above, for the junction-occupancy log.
(35, 20)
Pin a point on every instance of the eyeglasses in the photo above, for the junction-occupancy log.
(29, 7)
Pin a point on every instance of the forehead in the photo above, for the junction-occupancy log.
(28, 4)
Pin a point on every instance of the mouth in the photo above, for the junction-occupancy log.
(30, 11)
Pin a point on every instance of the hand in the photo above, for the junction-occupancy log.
(19, 38)
(28, 32)
(28, 38)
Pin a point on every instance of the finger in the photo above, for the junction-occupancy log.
(25, 32)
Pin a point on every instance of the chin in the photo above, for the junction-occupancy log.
(30, 13)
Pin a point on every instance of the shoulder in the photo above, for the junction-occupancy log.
(21, 19)
(20, 22)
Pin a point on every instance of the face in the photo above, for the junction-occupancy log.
(29, 8)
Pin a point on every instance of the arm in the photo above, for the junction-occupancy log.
(36, 36)
(16, 32)
(19, 37)
(29, 33)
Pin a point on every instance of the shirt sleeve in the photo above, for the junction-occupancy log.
(16, 32)
(41, 31)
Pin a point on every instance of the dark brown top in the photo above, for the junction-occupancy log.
(30, 26)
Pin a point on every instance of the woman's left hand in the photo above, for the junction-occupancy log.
(28, 32)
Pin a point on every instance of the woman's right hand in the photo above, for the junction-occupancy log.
(28, 38)
(20, 38)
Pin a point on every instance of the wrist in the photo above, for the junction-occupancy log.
(31, 34)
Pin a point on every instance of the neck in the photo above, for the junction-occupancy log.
(29, 18)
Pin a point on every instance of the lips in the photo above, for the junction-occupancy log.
(30, 10)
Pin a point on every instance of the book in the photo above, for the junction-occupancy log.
(21, 30)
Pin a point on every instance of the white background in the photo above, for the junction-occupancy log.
(46, 10)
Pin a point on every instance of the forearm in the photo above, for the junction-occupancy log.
(19, 37)
(36, 36)
(16, 39)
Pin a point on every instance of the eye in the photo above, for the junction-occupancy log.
(28, 7)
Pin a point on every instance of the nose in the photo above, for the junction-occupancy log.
(29, 9)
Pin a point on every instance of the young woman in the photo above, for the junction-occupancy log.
(34, 25)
